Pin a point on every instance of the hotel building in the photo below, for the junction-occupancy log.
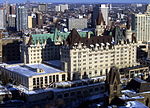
(94, 56)
(43, 47)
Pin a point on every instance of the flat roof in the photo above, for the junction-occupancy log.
(29, 70)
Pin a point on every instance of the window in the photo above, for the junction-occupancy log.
(41, 79)
(59, 96)
(101, 72)
(57, 78)
(63, 77)
(53, 78)
(45, 79)
(72, 93)
(66, 94)
(95, 71)
(37, 81)
(50, 79)
(90, 54)
(79, 92)
(34, 81)
(96, 89)
(91, 90)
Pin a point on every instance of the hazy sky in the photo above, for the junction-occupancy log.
(82, 1)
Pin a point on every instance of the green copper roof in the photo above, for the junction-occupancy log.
(53, 36)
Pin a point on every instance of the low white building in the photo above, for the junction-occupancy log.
(33, 76)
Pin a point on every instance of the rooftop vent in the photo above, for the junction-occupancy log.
(38, 70)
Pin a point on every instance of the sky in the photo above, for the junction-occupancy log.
(81, 1)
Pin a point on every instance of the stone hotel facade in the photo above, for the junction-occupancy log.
(86, 58)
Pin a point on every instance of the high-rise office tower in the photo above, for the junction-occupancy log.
(83, 8)
(57, 8)
(22, 18)
(2, 18)
(63, 7)
(30, 21)
(39, 19)
(142, 27)
(12, 21)
(148, 9)
(11, 17)
(12, 9)
(34, 24)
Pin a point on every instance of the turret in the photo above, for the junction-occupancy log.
(100, 25)
(128, 31)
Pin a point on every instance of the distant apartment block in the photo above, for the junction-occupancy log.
(12, 21)
(29, 22)
(22, 18)
(141, 25)
(2, 19)
(61, 7)
(77, 23)
(43, 47)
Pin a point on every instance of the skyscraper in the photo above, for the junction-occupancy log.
(12, 22)
(22, 18)
(141, 25)
(12, 9)
(39, 20)
(2, 19)
(30, 21)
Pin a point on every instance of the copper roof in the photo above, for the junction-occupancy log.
(74, 37)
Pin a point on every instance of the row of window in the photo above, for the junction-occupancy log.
(18, 78)
(52, 78)
(79, 93)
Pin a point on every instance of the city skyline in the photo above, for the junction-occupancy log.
(79, 1)
(75, 53)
